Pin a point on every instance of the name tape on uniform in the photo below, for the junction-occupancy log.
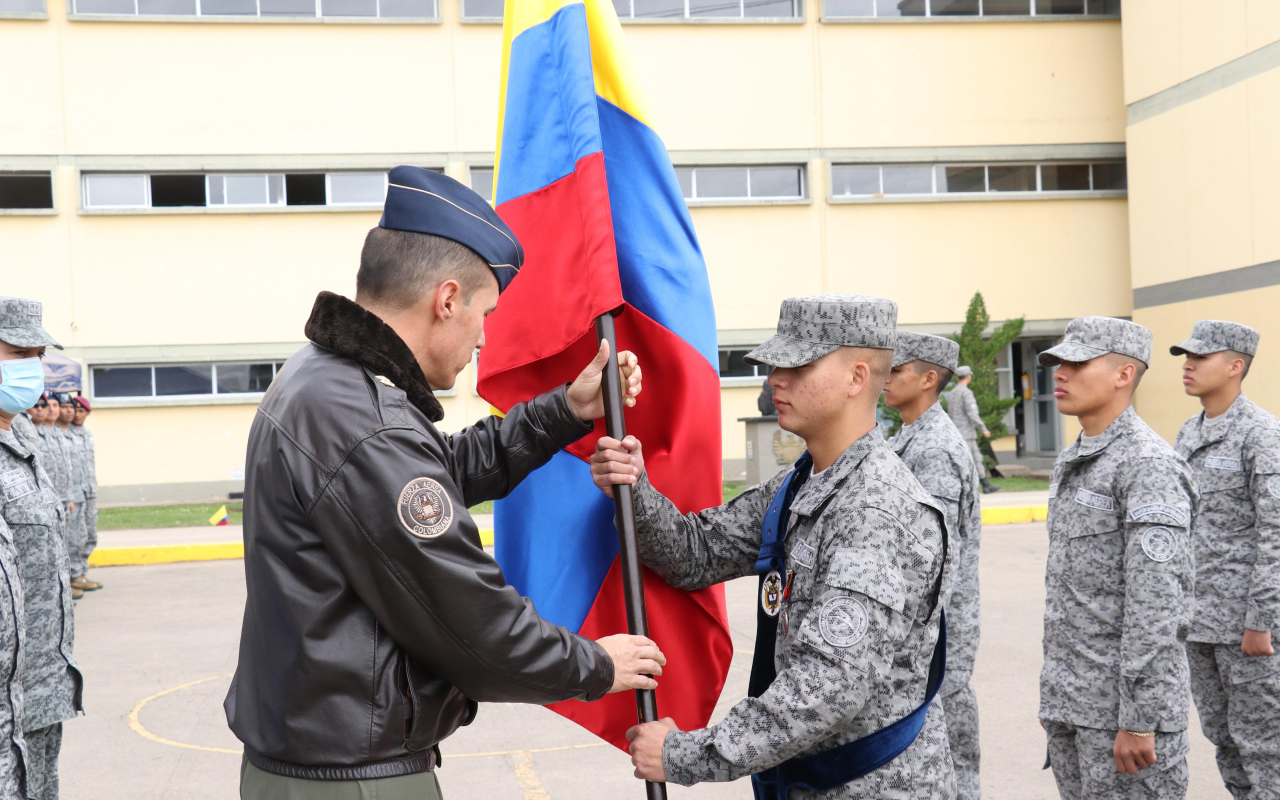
(1094, 500)
(17, 483)
(1229, 464)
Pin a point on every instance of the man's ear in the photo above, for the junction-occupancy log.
(448, 299)
(930, 380)
(1125, 375)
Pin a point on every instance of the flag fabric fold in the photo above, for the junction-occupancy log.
(586, 184)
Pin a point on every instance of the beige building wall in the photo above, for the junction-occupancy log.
(175, 287)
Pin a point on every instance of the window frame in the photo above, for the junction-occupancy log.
(213, 398)
(804, 198)
(761, 371)
(86, 209)
(987, 195)
(34, 212)
(94, 16)
(929, 17)
(44, 14)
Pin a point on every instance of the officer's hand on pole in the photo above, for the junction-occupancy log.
(1257, 643)
(585, 398)
(636, 659)
(616, 462)
(1133, 753)
(646, 740)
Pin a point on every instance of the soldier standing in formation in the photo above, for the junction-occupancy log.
(83, 438)
(848, 635)
(1114, 690)
(58, 465)
(962, 407)
(77, 482)
(933, 449)
(51, 683)
(1233, 447)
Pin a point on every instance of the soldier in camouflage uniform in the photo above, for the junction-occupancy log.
(855, 623)
(83, 438)
(51, 681)
(1233, 447)
(962, 407)
(1114, 690)
(55, 463)
(932, 448)
(77, 482)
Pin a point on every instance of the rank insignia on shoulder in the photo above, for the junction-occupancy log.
(425, 508)
(771, 593)
(1160, 544)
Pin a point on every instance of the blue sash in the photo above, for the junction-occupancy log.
(847, 762)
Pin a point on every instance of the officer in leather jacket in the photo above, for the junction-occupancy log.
(375, 620)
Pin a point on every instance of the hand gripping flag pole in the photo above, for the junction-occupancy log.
(625, 514)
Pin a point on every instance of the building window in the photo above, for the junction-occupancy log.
(706, 9)
(108, 190)
(183, 380)
(482, 9)
(22, 190)
(886, 180)
(482, 182)
(732, 364)
(389, 9)
(23, 7)
(854, 9)
(741, 183)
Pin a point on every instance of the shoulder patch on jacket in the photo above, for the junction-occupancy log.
(425, 508)
(842, 621)
(1172, 513)
(1094, 500)
(1160, 544)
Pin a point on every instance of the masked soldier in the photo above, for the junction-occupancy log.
(51, 682)
(932, 448)
(1114, 690)
(853, 560)
(1233, 447)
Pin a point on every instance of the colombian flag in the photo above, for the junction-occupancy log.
(220, 517)
(588, 188)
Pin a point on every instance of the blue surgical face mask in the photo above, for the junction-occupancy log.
(21, 384)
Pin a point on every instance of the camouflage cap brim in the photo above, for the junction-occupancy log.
(900, 357)
(28, 336)
(787, 352)
(1070, 351)
(1197, 347)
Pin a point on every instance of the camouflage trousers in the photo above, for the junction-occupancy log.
(73, 533)
(1085, 767)
(961, 707)
(87, 538)
(1238, 699)
(13, 778)
(972, 444)
(43, 745)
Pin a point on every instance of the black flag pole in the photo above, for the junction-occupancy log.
(625, 514)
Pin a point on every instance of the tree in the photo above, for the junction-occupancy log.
(980, 354)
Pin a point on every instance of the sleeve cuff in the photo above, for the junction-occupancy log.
(569, 428)
(1138, 719)
(1257, 620)
(688, 757)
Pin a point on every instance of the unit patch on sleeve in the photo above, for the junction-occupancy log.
(1094, 500)
(1273, 485)
(16, 483)
(1160, 544)
(425, 508)
(842, 621)
(1176, 515)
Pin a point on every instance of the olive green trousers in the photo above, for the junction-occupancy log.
(256, 784)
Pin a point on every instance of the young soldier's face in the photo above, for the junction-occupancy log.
(1084, 386)
(812, 397)
(68, 412)
(1202, 375)
(904, 385)
(51, 413)
(81, 415)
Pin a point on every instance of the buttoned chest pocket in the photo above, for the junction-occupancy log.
(27, 510)
(1223, 471)
(1095, 546)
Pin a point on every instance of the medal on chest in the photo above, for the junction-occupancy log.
(771, 593)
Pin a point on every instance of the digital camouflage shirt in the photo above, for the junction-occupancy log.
(51, 680)
(857, 633)
(13, 621)
(962, 407)
(932, 449)
(72, 451)
(1119, 583)
(83, 438)
(54, 460)
(1236, 534)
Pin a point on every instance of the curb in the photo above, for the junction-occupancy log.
(1006, 515)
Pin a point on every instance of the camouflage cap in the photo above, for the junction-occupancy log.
(1215, 335)
(937, 350)
(811, 327)
(964, 371)
(20, 324)
(1089, 337)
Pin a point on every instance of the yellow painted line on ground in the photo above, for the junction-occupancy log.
(528, 781)
(1005, 515)
(136, 724)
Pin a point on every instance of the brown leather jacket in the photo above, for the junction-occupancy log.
(375, 620)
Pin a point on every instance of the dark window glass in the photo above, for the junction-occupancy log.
(1018, 178)
(169, 191)
(287, 8)
(732, 365)
(731, 182)
(907, 180)
(659, 8)
(167, 7)
(1110, 176)
(240, 7)
(1059, 6)
(769, 8)
(304, 190)
(714, 8)
(775, 181)
(848, 8)
(349, 8)
(900, 8)
(191, 379)
(962, 179)
(11, 6)
(482, 8)
(122, 381)
(855, 181)
(1064, 177)
(407, 8)
(1006, 7)
(685, 178)
(104, 7)
(1104, 7)
(955, 8)
(233, 378)
(482, 182)
(26, 191)
(623, 7)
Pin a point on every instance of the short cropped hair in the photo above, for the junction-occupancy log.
(1139, 369)
(880, 362)
(398, 267)
(944, 374)
(1232, 355)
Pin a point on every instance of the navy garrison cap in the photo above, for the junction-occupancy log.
(423, 201)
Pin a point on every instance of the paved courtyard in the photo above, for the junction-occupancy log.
(158, 646)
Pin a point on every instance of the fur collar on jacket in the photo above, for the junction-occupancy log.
(343, 327)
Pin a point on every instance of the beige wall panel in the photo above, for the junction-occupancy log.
(756, 257)
(728, 87)
(735, 402)
(181, 444)
(477, 56)
(1262, 23)
(1264, 163)
(257, 88)
(904, 85)
(1161, 400)
(33, 264)
(1157, 199)
(30, 90)
(1209, 35)
(1043, 259)
(209, 278)
(1151, 57)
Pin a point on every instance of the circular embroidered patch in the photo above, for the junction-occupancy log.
(1159, 544)
(771, 593)
(842, 621)
(425, 508)
(1273, 485)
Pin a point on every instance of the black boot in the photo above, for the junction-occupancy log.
(988, 487)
